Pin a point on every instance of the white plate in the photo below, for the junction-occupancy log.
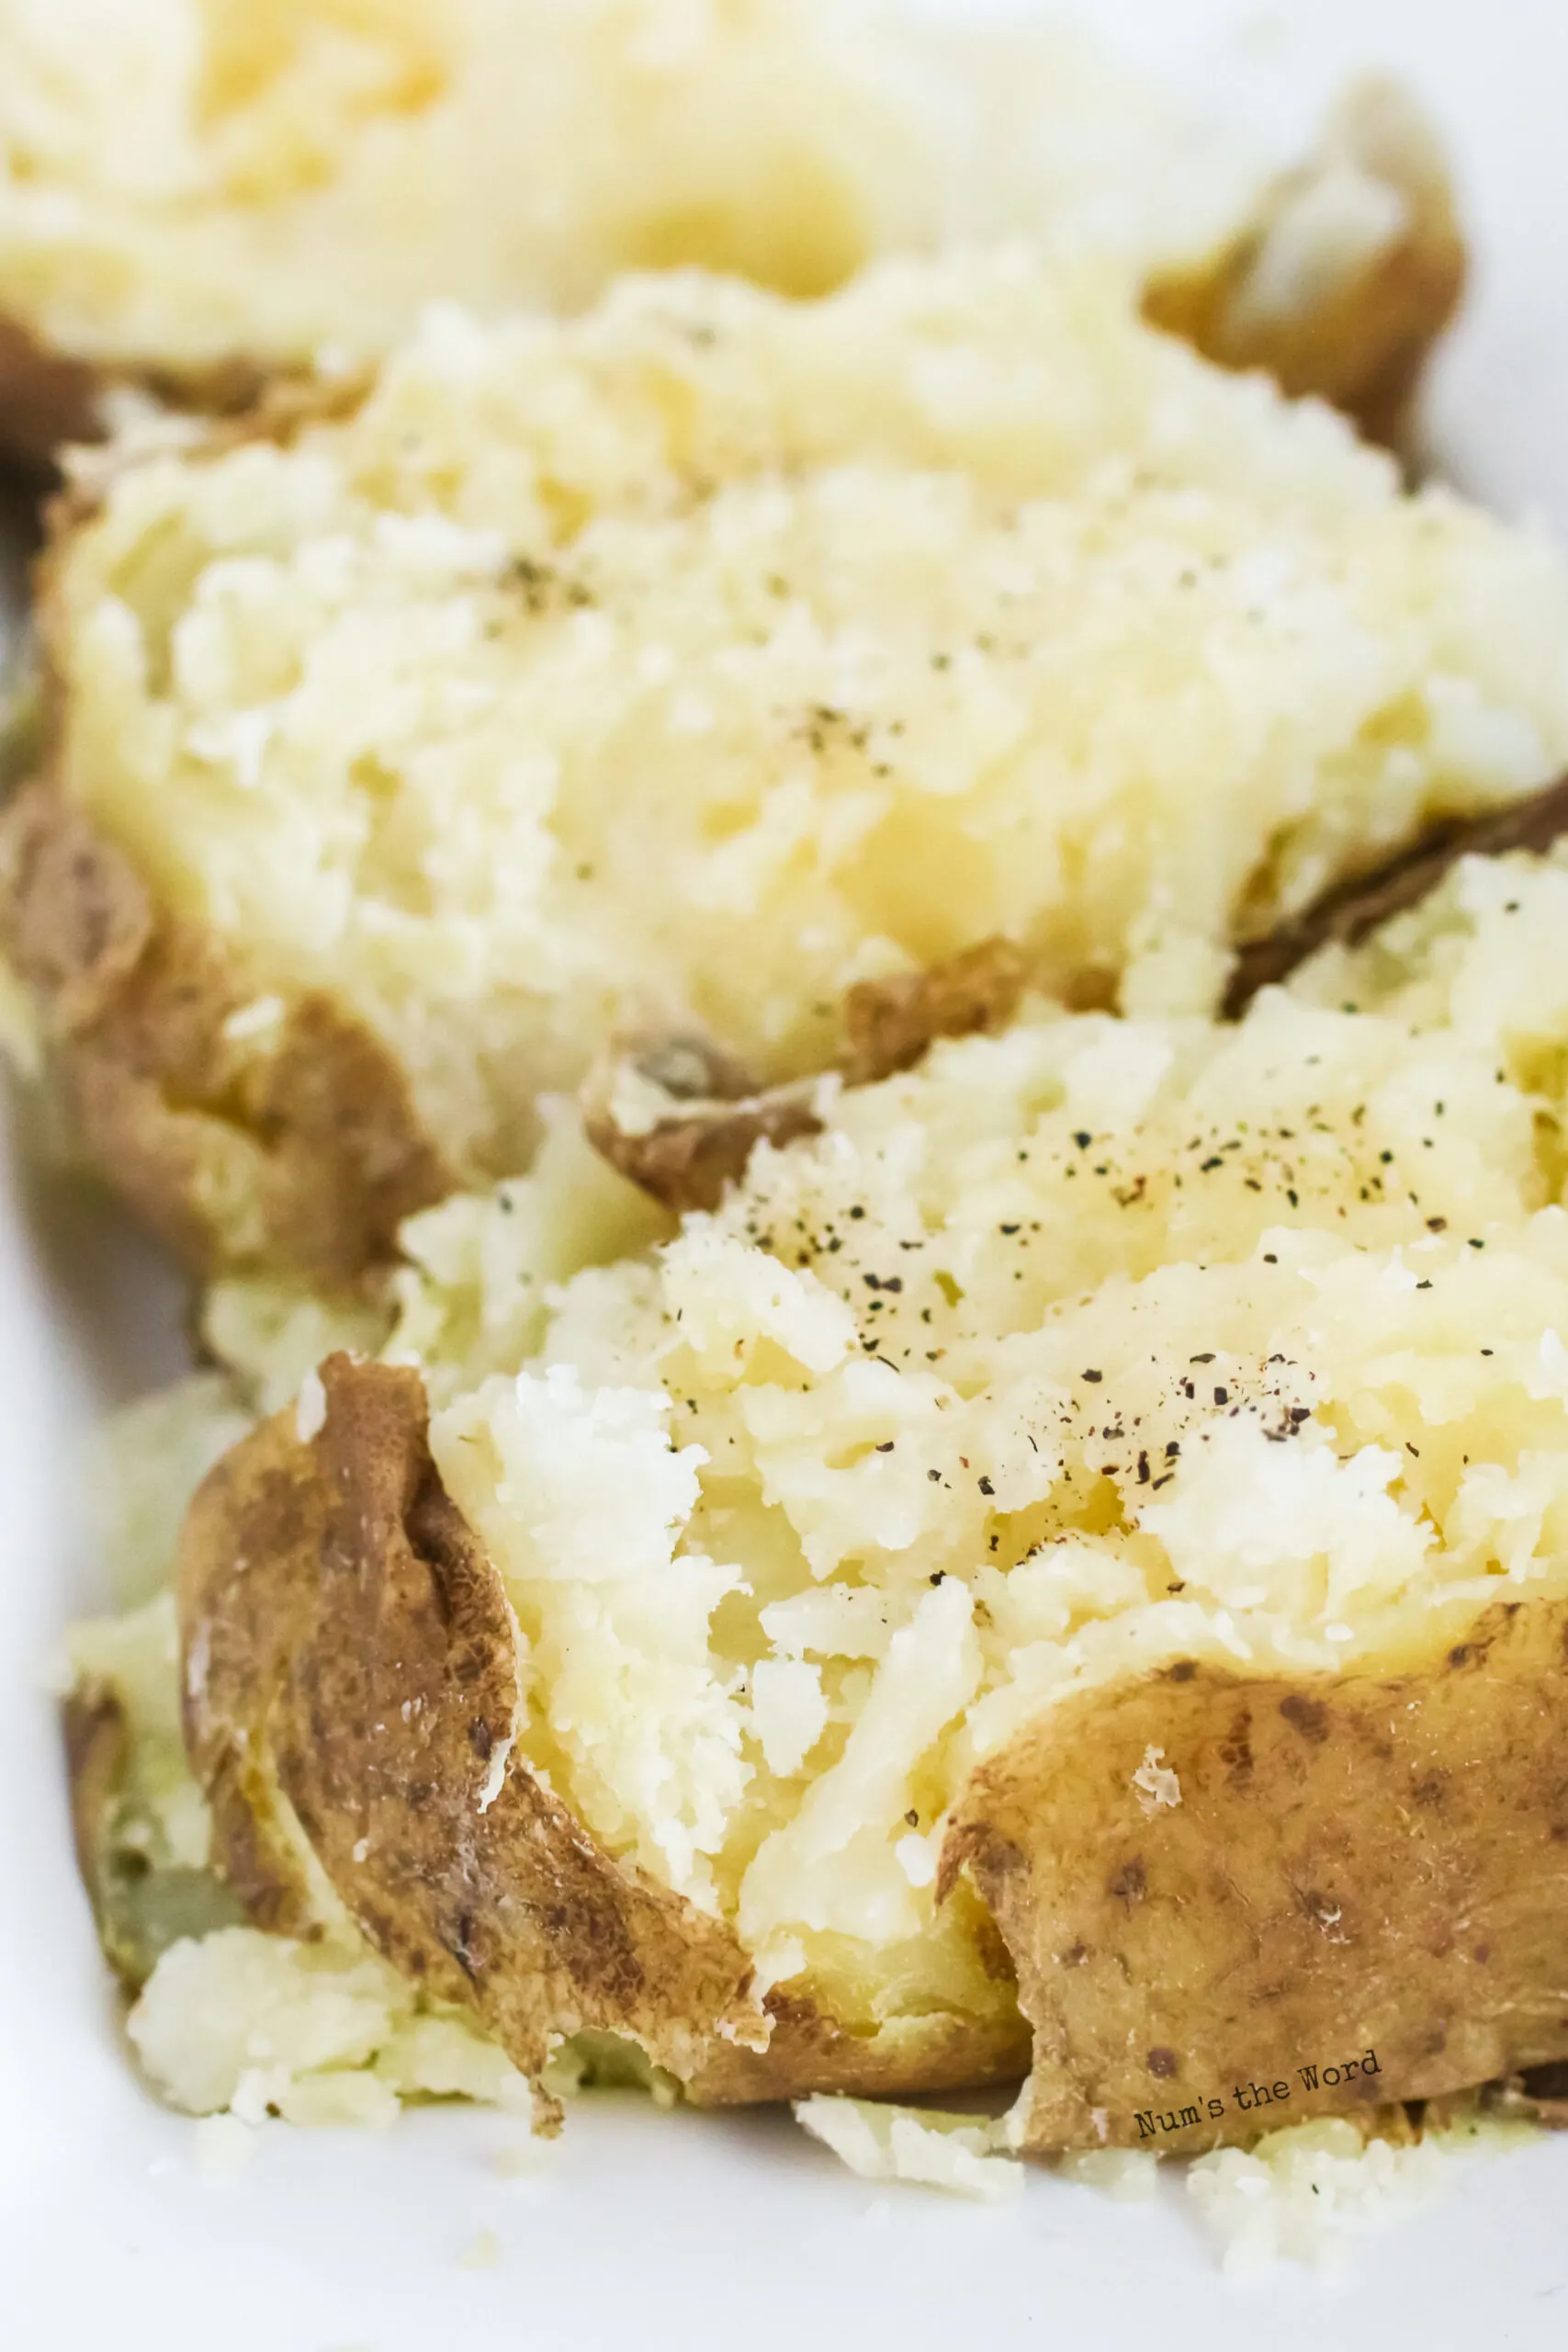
(640, 2226)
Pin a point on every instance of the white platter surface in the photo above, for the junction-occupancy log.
(641, 2227)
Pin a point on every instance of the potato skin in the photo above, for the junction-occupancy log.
(1350, 913)
(47, 399)
(52, 400)
(303, 1149)
(1374, 1861)
(809, 2050)
(352, 1681)
(718, 1114)
(1362, 344)
(139, 1906)
(890, 1025)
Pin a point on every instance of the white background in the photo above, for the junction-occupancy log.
(638, 2227)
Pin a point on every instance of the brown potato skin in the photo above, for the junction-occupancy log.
(47, 399)
(303, 1149)
(351, 1675)
(1350, 913)
(51, 401)
(1363, 345)
(890, 1025)
(719, 1115)
(907, 2058)
(1374, 1861)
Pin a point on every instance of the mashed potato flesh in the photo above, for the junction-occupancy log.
(186, 181)
(1074, 1351)
(691, 662)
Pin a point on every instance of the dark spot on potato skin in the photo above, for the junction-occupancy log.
(1182, 1671)
(461, 1945)
(1131, 1883)
(992, 1857)
(1430, 1790)
(1236, 1749)
(1546, 2082)
(1163, 2063)
(380, 1926)
(1076, 1957)
(1309, 1716)
(1473, 1652)
(991, 1949)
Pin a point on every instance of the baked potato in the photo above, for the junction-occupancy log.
(804, 678)
(1060, 1569)
(198, 198)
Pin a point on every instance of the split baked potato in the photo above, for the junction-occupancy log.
(1058, 1572)
(199, 198)
(711, 666)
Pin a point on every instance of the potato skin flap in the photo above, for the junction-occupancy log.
(1373, 1862)
(362, 1667)
(351, 1681)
